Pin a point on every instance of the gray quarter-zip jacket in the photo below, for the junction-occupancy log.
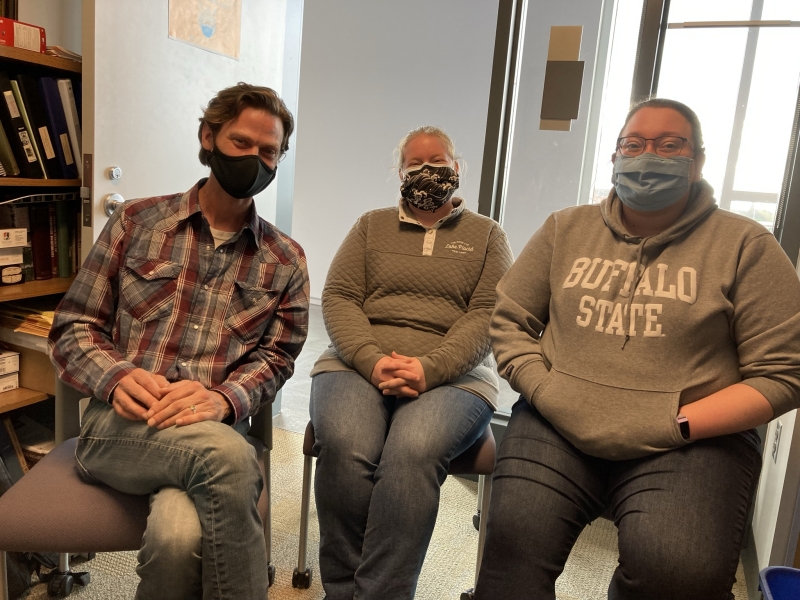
(632, 328)
(421, 291)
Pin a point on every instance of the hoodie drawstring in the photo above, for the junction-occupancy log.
(632, 291)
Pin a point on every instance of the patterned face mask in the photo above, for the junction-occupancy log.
(428, 187)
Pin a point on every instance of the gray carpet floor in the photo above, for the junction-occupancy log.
(448, 569)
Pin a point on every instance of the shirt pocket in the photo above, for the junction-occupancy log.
(607, 421)
(149, 287)
(249, 311)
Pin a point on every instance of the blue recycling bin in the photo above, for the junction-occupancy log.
(780, 583)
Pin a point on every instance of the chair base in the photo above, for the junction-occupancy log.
(468, 595)
(60, 583)
(301, 580)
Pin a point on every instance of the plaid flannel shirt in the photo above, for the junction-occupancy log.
(154, 293)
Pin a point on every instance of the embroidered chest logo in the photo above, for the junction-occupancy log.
(459, 247)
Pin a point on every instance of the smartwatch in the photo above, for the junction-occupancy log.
(683, 424)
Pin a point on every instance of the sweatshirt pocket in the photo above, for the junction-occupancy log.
(609, 422)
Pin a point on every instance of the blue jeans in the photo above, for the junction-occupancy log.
(217, 470)
(381, 463)
(681, 515)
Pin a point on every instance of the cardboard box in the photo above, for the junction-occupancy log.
(13, 238)
(9, 362)
(36, 372)
(8, 382)
(11, 256)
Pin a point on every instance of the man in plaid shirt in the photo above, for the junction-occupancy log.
(185, 320)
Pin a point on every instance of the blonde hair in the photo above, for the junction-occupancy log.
(400, 151)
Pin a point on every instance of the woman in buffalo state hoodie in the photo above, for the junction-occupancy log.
(648, 335)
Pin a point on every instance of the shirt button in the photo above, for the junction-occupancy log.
(183, 364)
(151, 272)
(205, 287)
(196, 327)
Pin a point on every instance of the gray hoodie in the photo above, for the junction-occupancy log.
(632, 328)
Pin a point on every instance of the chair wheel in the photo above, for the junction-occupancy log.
(476, 520)
(301, 580)
(469, 594)
(271, 574)
(60, 585)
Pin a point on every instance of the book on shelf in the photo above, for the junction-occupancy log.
(57, 121)
(63, 239)
(51, 215)
(40, 241)
(71, 113)
(35, 439)
(34, 317)
(62, 52)
(42, 135)
(17, 133)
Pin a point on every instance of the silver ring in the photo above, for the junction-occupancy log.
(193, 408)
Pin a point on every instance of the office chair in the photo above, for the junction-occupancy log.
(478, 459)
(51, 509)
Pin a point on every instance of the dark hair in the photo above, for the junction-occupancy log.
(230, 102)
(685, 111)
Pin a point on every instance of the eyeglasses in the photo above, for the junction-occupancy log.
(666, 146)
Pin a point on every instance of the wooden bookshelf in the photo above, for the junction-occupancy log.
(31, 289)
(27, 182)
(37, 58)
(18, 398)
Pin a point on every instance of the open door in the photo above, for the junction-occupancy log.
(144, 92)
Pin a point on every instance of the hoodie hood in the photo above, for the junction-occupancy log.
(701, 204)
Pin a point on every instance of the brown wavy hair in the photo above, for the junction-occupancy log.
(230, 102)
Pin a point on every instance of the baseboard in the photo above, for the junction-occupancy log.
(750, 566)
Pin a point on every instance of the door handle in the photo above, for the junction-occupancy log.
(112, 202)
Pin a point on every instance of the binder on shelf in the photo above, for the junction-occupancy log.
(42, 135)
(40, 241)
(16, 132)
(24, 113)
(71, 112)
(8, 164)
(77, 87)
(57, 121)
(22, 35)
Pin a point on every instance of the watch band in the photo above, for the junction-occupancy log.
(683, 424)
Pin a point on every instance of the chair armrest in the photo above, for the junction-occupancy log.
(68, 412)
(261, 425)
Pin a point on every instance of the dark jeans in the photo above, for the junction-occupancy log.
(381, 463)
(681, 515)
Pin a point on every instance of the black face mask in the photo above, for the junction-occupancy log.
(240, 176)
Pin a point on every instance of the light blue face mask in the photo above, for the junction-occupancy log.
(649, 182)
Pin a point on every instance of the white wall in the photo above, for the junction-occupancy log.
(371, 71)
(146, 93)
(61, 20)
(545, 167)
